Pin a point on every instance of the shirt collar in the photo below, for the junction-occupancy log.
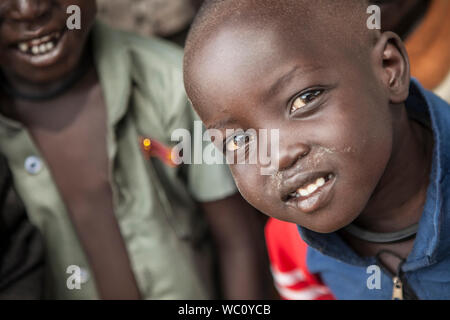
(433, 237)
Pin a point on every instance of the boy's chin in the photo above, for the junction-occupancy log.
(324, 222)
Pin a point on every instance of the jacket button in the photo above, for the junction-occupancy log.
(33, 165)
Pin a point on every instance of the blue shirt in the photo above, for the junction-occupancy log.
(427, 268)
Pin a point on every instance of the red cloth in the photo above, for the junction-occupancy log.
(287, 253)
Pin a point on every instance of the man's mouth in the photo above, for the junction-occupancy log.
(40, 46)
(42, 50)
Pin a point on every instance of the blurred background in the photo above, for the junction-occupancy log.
(164, 18)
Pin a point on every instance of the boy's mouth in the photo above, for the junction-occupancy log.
(309, 192)
(41, 45)
(309, 188)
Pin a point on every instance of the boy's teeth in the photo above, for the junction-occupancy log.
(306, 191)
(311, 188)
(320, 182)
(303, 192)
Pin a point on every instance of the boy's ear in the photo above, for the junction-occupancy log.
(393, 62)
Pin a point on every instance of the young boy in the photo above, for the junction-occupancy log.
(362, 158)
(74, 105)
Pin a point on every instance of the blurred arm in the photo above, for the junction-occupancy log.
(238, 233)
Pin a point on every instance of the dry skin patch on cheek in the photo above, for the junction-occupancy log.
(313, 162)
(277, 179)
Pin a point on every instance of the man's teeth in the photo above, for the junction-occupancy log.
(306, 191)
(35, 50)
(39, 46)
(23, 47)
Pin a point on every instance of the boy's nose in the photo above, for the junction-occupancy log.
(28, 10)
(290, 154)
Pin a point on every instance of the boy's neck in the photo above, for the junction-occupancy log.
(398, 200)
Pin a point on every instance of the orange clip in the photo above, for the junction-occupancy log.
(154, 148)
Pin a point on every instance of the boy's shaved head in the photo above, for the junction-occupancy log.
(214, 12)
(345, 19)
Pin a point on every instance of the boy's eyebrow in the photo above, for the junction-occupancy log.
(273, 88)
(288, 76)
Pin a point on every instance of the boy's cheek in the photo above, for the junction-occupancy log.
(363, 152)
(250, 183)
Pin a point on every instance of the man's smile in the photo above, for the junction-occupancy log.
(41, 50)
(40, 45)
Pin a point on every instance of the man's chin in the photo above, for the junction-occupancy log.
(39, 76)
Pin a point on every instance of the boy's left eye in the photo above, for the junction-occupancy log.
(304, 99)
(238, 141)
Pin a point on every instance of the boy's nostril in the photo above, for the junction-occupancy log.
(290, 156)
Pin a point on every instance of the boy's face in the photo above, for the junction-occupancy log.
(35, 44)
(324, 97)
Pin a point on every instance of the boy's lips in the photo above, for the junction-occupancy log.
(42, 50)
(308, 191)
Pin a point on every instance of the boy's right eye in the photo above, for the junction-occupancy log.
(304, 99)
